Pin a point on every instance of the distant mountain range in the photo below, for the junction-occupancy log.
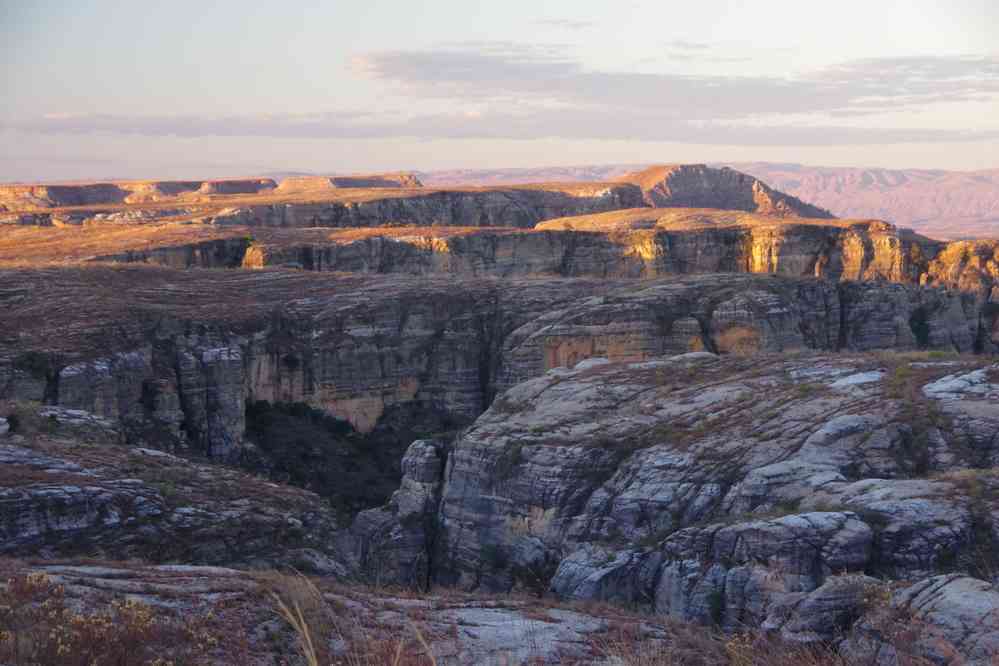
(943, 204)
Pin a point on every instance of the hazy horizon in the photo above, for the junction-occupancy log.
(110, 89)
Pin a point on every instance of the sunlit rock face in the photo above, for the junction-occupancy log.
(701, 186)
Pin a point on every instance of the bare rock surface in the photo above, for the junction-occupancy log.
(70, 488)
(726, 491)
(815, 497)
(236, 606)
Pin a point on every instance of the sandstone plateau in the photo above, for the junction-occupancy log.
(673, 412)
(939, 203)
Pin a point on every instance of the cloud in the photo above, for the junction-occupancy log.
(505, 90)
(682, 45)
(549, 75)
(688, 56)
(191, 126)
(565, 24)
(623, 124)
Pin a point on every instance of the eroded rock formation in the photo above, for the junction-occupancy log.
(179, 353)
(701, 186)
(731, 419)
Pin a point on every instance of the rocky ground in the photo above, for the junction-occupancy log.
(817, 500)
(630, 436)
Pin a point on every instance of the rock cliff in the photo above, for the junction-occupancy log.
(767, 423)
(723, 491)
(70, 488)
(179, 353)
(771, 493)
(701, 186)
(624, 244)
(306, 183)
(938, 203)
(17, 197)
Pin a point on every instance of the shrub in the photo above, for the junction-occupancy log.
(306, 447)
(920, 326)
(38, 626)
(716, 607)
(739, 340)
(315, 623)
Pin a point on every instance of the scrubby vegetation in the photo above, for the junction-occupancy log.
(39, 626)
(307, 447)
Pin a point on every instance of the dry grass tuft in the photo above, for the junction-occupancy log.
(318, 625)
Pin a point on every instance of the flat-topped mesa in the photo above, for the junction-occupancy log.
(324, 202)
(522, 206)
(632, 243)
(237, 186)
(701, 186)
(16, 197)
(373, 180)
(693, 240)
(21, 197)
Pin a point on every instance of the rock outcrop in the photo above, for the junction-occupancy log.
(18, 197)
(176, 355)
(70, 488)
(307, 183)
(511, 207)
(740, 493)
(634, 243)
(939, 203)
(701, 186)
(781, 424)
(232, 615)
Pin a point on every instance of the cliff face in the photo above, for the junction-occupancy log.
(717, 490)
(485, 208)
(487, 252)
(312, 183)
(631, 243)
(867, 250)
(775, 496)
(639, 406)
(104, 499)
(177, 355)
(700, 186)
(939, 203)
(16, 197)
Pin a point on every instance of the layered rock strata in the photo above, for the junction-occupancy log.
(176, 355)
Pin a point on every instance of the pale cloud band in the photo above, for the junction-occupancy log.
(508, 91)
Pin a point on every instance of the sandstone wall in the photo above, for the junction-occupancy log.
(445, 346)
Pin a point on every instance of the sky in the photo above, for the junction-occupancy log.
(127, 89)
